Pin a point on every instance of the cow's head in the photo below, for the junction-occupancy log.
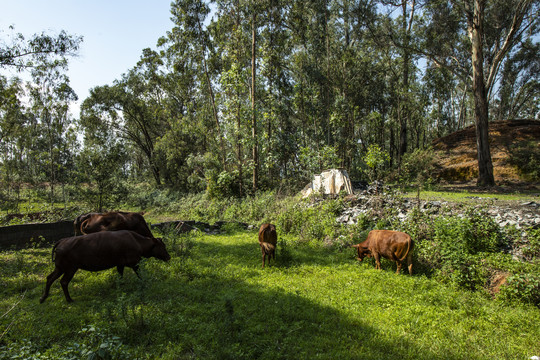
(159, 251)
(363, 252)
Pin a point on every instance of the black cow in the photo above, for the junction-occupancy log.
(100, 251)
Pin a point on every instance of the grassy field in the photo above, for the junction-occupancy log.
(471, 197)
(213, 301)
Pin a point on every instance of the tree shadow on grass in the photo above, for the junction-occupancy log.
(214, 314)
(216, 318)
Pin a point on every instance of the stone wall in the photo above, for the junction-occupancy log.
(20, 236)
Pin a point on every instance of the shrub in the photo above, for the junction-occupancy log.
(482, 233)
(454, 248)
(314, 222)
(418, 166)
(522, 288)
(531, 250)
(223, 185)
(376, 159)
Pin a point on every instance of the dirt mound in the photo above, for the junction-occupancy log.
(509, 141)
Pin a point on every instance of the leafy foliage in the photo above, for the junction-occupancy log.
(376, 159)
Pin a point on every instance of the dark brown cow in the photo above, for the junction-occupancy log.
(79, 220)
(100, 251)
(394, 245)
(116, 220)
(268, 242)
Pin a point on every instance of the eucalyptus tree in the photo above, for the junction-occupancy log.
(40, 50)
(191, 52)
(13, 134)
(35, 123)
(400, 30)
(102, 163)
(232, 33)
(313, 35)
(474, 38)
(50, 98)
(132, 108)
(357, 80)
(520, 84)
(276, 121)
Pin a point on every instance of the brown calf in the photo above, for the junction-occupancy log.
(393, 245)
(268, 242)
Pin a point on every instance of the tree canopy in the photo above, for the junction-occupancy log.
(240, 96)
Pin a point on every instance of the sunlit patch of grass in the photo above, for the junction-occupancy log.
(468, 197)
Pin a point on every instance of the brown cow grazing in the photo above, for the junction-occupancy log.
(116, 220)
(394, 245)
(100, 251)
(79, 220)
(268, 242)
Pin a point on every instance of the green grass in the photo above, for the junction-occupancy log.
(213, 301)
(469, 197)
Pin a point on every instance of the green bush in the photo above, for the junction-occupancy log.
(454, 247)
(522, 288)
(223, 185)
(531, 250)
(315, 222)
(482, 233)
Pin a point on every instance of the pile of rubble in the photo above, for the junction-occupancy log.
(524, 215)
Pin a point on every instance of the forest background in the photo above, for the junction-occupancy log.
(244, 96)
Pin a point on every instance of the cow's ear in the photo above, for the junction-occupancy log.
(157, 241)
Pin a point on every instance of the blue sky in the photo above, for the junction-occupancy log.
(115, 32)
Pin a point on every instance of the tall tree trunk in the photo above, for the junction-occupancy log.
(475, 30)
(253, 107)
(327, 85)
(212, 100)
(404, 111)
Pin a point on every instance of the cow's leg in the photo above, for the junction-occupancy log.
(409, 263)
(263, 258)
(50, 279)
(398, 263)
(377, 261)
(262, 253)
(136, 270)
(68, 275)
(120, 269)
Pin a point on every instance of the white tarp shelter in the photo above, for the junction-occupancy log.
(329, 182)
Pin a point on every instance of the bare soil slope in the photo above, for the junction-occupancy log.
(508, 139)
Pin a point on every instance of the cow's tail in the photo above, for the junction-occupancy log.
(54, 250)
(409, 243)
(268, 247)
